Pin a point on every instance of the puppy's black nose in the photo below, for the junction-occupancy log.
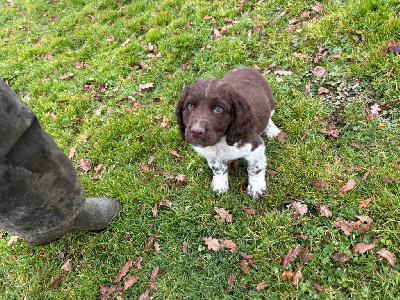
(197, 131)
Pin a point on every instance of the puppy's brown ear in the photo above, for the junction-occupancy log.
(179, 109)
(242, 122)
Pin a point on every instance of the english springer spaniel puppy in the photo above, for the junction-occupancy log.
(223, 120)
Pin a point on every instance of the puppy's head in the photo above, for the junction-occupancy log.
(209, 109)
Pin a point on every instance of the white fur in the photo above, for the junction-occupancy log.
(272, 130)
(218, 156)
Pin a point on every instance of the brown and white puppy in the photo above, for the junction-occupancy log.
(223, 120)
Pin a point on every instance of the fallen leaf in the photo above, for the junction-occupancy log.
(144, 167)
(67, 266)
(341, 256)
(174, 153)
(354, 168)
(123, 271)
(324, 211)
(388, 255)
(262, 285)
(213, 244)
(291, 256)
(387, 179)
(150, 244)
(297, 276)
(249, 258)
(125, 43)
(72, 152)
(230, 245)
(97, 171)
(351, 183)
(145, 295)
(130, 281)
(394, 46)
(251, 211)
(85, 165)
(138, 262)
(157, 247)
(13, 239)
(307, 256)
(365, 227)
(318, 71)
(366, 174)
(323, 90)
(283, 73)
(287, 275)
(347, 226)
(145, 86)
(299, 208)
(318, 286)
(318, 184)
(180, 177)
(80, 64)
(244, 264)
(231, 279)
(282, 136)
(364, 203)
(184, 247)
(154, 273)
(362, 247)
(109, 291)
(66, 76)
(155, 210)
(334, 132)
(57, 281)
(224, 214)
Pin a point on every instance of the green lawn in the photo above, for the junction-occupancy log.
(105, 76)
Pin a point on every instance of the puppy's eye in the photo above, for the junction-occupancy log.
(190, 106)
(218, 109)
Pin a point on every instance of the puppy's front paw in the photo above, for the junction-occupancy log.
(256, 190)
(220, 185)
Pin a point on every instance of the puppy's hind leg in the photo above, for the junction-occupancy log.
(272, 130)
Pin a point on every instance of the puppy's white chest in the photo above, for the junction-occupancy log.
(222, 151)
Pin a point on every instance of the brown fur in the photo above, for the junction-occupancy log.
(246, 101)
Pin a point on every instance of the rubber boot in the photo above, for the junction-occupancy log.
(96, 214)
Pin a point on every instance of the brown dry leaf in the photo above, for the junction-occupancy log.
(323, 90)
(109, 291)
(291, 256)
(296, 278)
(354, 168)
(130, 281)
(123, 271)
(388, 255)
(57, 281)
(307, 89)
(66, 76)
(155, 210)
(231, 279)
(185, 247)
(72, 152)
(138, 263)
(144, 167)
(85, 165)
(151, 159)
(181, 177)
(97, 171)
(362, 247)
(165, 202)
(318, 71)
(299, 208)
(318, 184)
(224, 214)
(262, 285)
(394, 46)
(80, 64)
(145, 295)
(347, 226)
(318, 286)
(157, 247)
(324, 210)
(287, 275)
(282, 136)
(351, 183)
(150, 244)
(67, 266)
(145, 86)
(283, 72)
(251, 211)
(213, 244)
(387, 179)
(307, 256)
(333, 132)
(364, 203)
(249, 258)
(230, 245)
(174, 153)
(365, 227)
(244, 264)
(341, 256)
(154, 273)
(366, 174)
(13, 239)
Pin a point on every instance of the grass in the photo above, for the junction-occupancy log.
(42, 40)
